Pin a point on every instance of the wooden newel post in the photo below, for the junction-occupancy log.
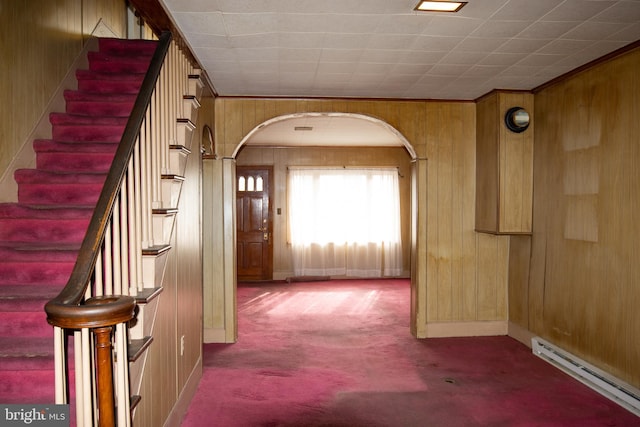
(104, 376)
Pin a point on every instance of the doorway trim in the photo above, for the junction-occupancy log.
(418, 231)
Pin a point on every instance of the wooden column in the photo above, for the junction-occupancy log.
(104, 376)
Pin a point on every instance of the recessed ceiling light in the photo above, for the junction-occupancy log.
(440, 6)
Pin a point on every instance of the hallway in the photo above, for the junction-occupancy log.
(339, 353)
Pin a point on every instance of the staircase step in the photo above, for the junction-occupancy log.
(25, 298)
(127, 47)
(43, 229)
(25, 324)
(35, 176)
(71, 194)
(26, 353)
(38, 252)
(106, 62)
(52, 146)
(74, 162)
(102, 82)
(74, 193)
(35, 273)
(77, 119)
(21, 210)
(92, 104)
(92, 132)
(32, 386)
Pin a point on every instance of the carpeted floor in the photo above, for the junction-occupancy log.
(339, 353)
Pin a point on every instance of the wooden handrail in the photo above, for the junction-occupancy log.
(67, 310)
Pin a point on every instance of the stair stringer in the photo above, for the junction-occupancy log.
(156, 259)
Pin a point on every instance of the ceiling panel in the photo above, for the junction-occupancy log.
(385, 49)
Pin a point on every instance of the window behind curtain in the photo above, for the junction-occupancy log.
(345, 221)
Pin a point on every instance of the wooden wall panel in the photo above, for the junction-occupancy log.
(583, 289)
(39, 40)
(443, 133)
(504, 172)
(516, 167)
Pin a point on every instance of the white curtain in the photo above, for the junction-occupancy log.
(345, 222)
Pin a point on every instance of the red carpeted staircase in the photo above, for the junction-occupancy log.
(40, 234)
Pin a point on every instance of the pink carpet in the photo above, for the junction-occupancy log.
(339, 353)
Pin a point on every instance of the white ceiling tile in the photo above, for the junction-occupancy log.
(627, 34)
(399, 80)
(451, 26)
(563, 47)
(502, 58)
(250, 23)
(205, 23)
(390, 41)
(537, 59)
(382, 48)
(421, 57)
(577, 10)
(216, 54)
(254, 41)
(524, 10)
(547, 29)
(300, 40)
(402, 24)
(337, 67)
(448, 70)
(374, 68)
(345, 40)
(436, 44)
(197, 40)
(381, 56)
(340, 55)
(500, 29)
(621, 12)
(193, 6)
(305, 55)
(518, 71)
(485, 70)
(464, 58)
(593, 31)
(257, 54)
(481, 9)
(419, 69)
(519, 45)
(479, 44)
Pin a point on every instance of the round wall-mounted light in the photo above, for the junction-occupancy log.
(517, 119)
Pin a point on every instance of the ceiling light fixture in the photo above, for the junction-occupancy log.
(439, 6)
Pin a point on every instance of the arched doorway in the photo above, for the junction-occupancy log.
(220, 295)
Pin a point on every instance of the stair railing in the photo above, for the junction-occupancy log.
(98, 301)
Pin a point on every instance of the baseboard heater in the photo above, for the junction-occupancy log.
(613, 388)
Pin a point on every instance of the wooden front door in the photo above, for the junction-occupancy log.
(254, 224)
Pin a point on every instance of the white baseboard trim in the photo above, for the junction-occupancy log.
(466, 329)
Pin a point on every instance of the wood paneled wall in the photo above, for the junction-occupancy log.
(466, 271)
(281, 158)
(504, 175)
(583, 289)
(39, 40)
